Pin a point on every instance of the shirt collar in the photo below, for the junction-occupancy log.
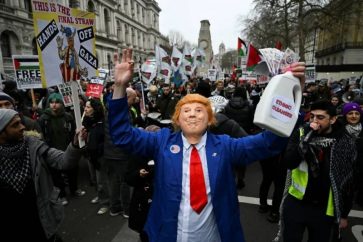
(200, 145)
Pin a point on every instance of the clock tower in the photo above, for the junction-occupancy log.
(205, 43)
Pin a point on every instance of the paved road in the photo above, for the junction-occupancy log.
(82, 224)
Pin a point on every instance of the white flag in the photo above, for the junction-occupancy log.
(176, 59)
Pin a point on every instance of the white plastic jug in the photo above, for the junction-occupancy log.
(278, 108)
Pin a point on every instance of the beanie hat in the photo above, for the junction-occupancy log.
(4, 96)
(350, 107)
(6, 115)
(55, 96)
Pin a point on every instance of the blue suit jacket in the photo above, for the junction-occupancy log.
(166, 148)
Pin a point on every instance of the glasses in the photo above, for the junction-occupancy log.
(317, 116)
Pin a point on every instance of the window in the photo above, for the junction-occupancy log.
(107, 21)
(5, 44)
(118, 25)
(27, 5)
(90, 6)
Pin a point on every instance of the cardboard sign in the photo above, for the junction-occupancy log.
(212, 74)
(66, 43)
(94, 90)
(66, 92)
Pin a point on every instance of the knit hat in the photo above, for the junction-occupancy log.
(350, 107)
(6, 115)
(55, 96)
(4, 96)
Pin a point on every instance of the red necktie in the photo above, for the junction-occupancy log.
(198, 191)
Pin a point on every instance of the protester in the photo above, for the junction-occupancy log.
(219, 89)
(93, 122)
(352, 115)
(226, 125)
(321, 156)
(139, 175)
(6, 101)
(116, 160)
(58, 128)
(32, 209)
(179, 211)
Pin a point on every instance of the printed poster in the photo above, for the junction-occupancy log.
(95, 88)
(27, 72)
(66, 91)
(65, 41)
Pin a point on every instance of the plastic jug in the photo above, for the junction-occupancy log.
(278, 108)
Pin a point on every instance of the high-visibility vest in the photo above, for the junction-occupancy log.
(299, 182)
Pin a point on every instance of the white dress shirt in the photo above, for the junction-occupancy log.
(193, 227)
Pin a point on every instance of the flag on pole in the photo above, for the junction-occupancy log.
(161, 55)
(253, 57)
(241, 47)
(176, 59)
(187, 54)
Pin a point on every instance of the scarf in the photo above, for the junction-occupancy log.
(15, 165)
(354, 130)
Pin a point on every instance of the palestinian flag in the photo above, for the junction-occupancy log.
(187, 54)
(241, 47)
(22, 63)
(253, 57)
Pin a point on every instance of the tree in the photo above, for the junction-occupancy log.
(288, 21)
(228, 60)
(176, 38)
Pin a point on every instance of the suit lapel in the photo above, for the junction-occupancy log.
(213, 153)
(175, 152)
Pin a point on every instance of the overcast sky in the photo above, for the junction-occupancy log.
(184, 16)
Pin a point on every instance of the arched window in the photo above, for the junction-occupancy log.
(90, 6)
(5, 44)
(107, 21)
(27, 5)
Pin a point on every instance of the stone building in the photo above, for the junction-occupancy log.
(339, 42)
(217, 59)
(119, 24)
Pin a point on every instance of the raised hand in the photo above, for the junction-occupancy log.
(125, 69)
(298, 70)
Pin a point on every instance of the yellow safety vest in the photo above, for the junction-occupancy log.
(299, 182)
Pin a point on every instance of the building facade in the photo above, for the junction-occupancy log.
(119, 24)
(339, 49)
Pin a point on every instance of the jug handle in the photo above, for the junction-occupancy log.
(297, 96)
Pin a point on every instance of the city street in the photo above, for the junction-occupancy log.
(82, 224)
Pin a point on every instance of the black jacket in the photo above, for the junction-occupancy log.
(240, 111)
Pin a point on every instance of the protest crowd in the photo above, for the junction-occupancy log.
(317, 172)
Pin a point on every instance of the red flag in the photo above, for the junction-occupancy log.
(253, 57)
(240, 51)
(278, 45)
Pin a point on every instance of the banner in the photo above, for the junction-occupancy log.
(65, 41)
(27, 72)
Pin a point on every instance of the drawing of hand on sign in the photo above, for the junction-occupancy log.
(70, 68)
